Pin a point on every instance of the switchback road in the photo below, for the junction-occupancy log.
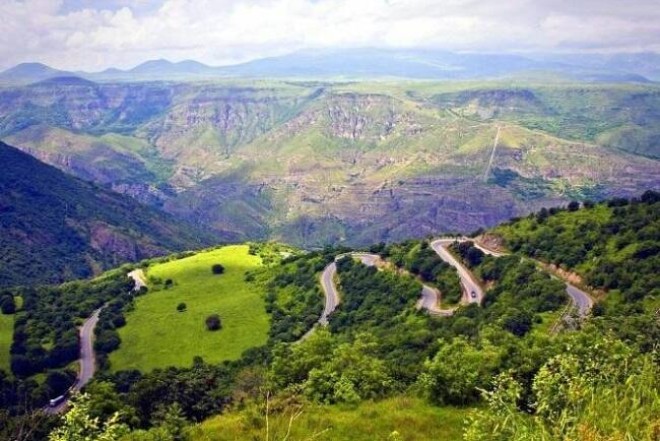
(472, 292)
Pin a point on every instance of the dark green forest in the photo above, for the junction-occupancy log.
(54, 227)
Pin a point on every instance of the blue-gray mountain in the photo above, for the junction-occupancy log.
(371, 63)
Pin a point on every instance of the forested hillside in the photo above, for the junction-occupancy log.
(54, 227)
(613, 246)
(527, 376)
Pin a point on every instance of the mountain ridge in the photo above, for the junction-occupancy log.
(367, 63)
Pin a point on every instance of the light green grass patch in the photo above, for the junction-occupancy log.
(412, 418)
(156, 335)
(6, 337)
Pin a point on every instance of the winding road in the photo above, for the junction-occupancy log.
(580, 299)
(472, 291)
(87, 356)
(429, 299)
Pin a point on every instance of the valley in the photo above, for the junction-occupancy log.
(312, 163)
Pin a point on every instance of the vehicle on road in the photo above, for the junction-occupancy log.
(473, 295)
(56, 401)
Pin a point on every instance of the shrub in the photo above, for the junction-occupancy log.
(181, 307)
(213, 322)
(7, 304)
(217, 269)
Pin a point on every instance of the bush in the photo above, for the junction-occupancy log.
(217, 269)
(7, 304)
(181, 307)
(213, 322)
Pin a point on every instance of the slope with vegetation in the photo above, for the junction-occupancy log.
(598, 380)
(54, 227)
(159, 334)
(312, 163)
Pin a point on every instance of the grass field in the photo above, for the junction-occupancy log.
(157, 335)
(6, 334)
(412, 418)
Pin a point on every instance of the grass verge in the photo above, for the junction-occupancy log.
(413, 418)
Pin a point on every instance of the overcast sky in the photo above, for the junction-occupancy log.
(95, 34)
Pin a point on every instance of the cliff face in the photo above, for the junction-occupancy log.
(316, 163)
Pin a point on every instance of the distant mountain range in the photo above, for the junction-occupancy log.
(375, 63)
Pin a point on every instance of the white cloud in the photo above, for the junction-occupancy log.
(74, 34)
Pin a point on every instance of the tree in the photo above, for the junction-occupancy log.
(217, 269)
(458, 371)
(573, 206)
(213, 322)
(7, 304)
(181, 307)
(78, 425)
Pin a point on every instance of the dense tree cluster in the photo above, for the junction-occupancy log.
(45, 333)
(420, 259)
(293, 295)
(615, 245)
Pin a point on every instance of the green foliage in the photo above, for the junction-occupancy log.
(213, 322)
(78, 425)
(293, 295)
(606, 391)
(458, 370)
(371, 298)
(614, 245)
(7, 303)
(420, 259)
(46, 334)
(217, 268)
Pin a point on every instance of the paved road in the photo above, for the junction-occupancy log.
(87, 360)
(330, 291)
(581, 300)
(428, 298)
(87, 356)
(468, 281)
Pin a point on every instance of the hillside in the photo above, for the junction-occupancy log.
(54, 227)
(158, 335)
(311, 163)
(519, 356)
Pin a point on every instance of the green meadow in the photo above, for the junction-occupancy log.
(412, 418)
(158, 335)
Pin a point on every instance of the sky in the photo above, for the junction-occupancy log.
(95, 34)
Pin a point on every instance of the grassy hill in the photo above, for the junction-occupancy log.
(157, 335)
(54, 227)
